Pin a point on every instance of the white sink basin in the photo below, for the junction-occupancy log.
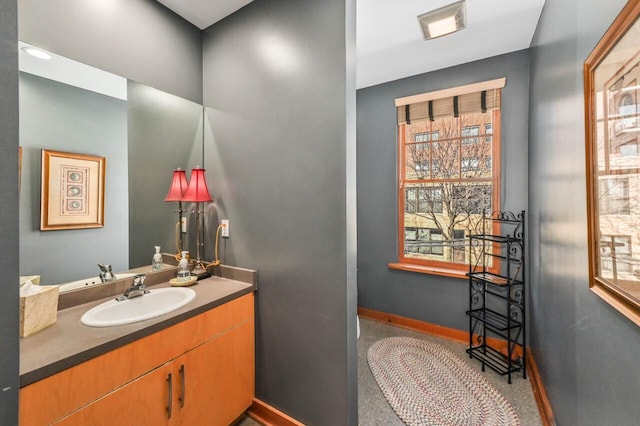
(158, 302)
(88, 282)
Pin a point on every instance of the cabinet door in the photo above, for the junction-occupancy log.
(141, 402)
(215, 381)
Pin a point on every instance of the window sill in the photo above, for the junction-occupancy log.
(431, 270)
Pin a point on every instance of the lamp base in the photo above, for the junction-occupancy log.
(202, 276)
(199, 269)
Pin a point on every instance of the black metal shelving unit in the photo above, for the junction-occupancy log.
(497, 316)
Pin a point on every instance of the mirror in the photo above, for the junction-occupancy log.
(143, 133)
(612, 116)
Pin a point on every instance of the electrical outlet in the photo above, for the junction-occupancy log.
(183, 225)
(225, 229)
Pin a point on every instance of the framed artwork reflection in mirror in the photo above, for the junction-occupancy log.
(72, 193)
(612, 129)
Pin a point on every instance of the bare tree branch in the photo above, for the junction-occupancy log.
(448, 175)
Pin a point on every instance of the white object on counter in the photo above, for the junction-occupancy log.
(38, 307)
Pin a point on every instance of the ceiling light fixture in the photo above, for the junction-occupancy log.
(443, 21)
(40, 54)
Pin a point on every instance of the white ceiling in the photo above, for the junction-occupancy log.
(390, 45)
(72, 73)
(203, 13)
(389, 41)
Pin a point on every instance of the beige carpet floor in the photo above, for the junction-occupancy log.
(373, 408)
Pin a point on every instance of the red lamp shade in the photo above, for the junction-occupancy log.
(178, 185)
(197, 191)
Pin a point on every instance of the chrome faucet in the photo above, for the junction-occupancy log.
(105, 273)
(137, 289)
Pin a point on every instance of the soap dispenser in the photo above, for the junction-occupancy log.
(184, 274)
(156, 264)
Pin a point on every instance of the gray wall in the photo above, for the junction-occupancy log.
(9, 356)
(586, 351)
(165, 132)
(277, 83)
(59, 117)
(137, 39)
(435, 299)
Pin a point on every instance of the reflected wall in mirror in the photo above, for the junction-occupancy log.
(165, 132)
(142, 132)
(612, 88)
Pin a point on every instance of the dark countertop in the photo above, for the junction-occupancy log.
(68, 342)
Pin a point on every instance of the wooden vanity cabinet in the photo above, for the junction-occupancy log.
(219, 364)
(200, 371)
(140, 402)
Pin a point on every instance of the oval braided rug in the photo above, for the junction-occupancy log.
(427, 384)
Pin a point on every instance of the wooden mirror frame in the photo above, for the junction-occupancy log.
(608, 288)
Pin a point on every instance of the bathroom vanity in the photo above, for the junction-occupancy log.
(192, 366)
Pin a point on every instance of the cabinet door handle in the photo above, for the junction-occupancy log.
(170, 399)
(182, 386)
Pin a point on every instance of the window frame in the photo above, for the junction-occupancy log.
(438, 267)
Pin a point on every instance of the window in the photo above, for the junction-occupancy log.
(629, 149)
(488, 130)
(615, 251)
(426, 136)
(424, 241)
(420, 153)
(469, 164)
(470, 131)
(614, 196)
(423, 199)
(448, 174)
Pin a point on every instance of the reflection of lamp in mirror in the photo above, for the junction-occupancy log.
(176, 192)
(197, 192)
